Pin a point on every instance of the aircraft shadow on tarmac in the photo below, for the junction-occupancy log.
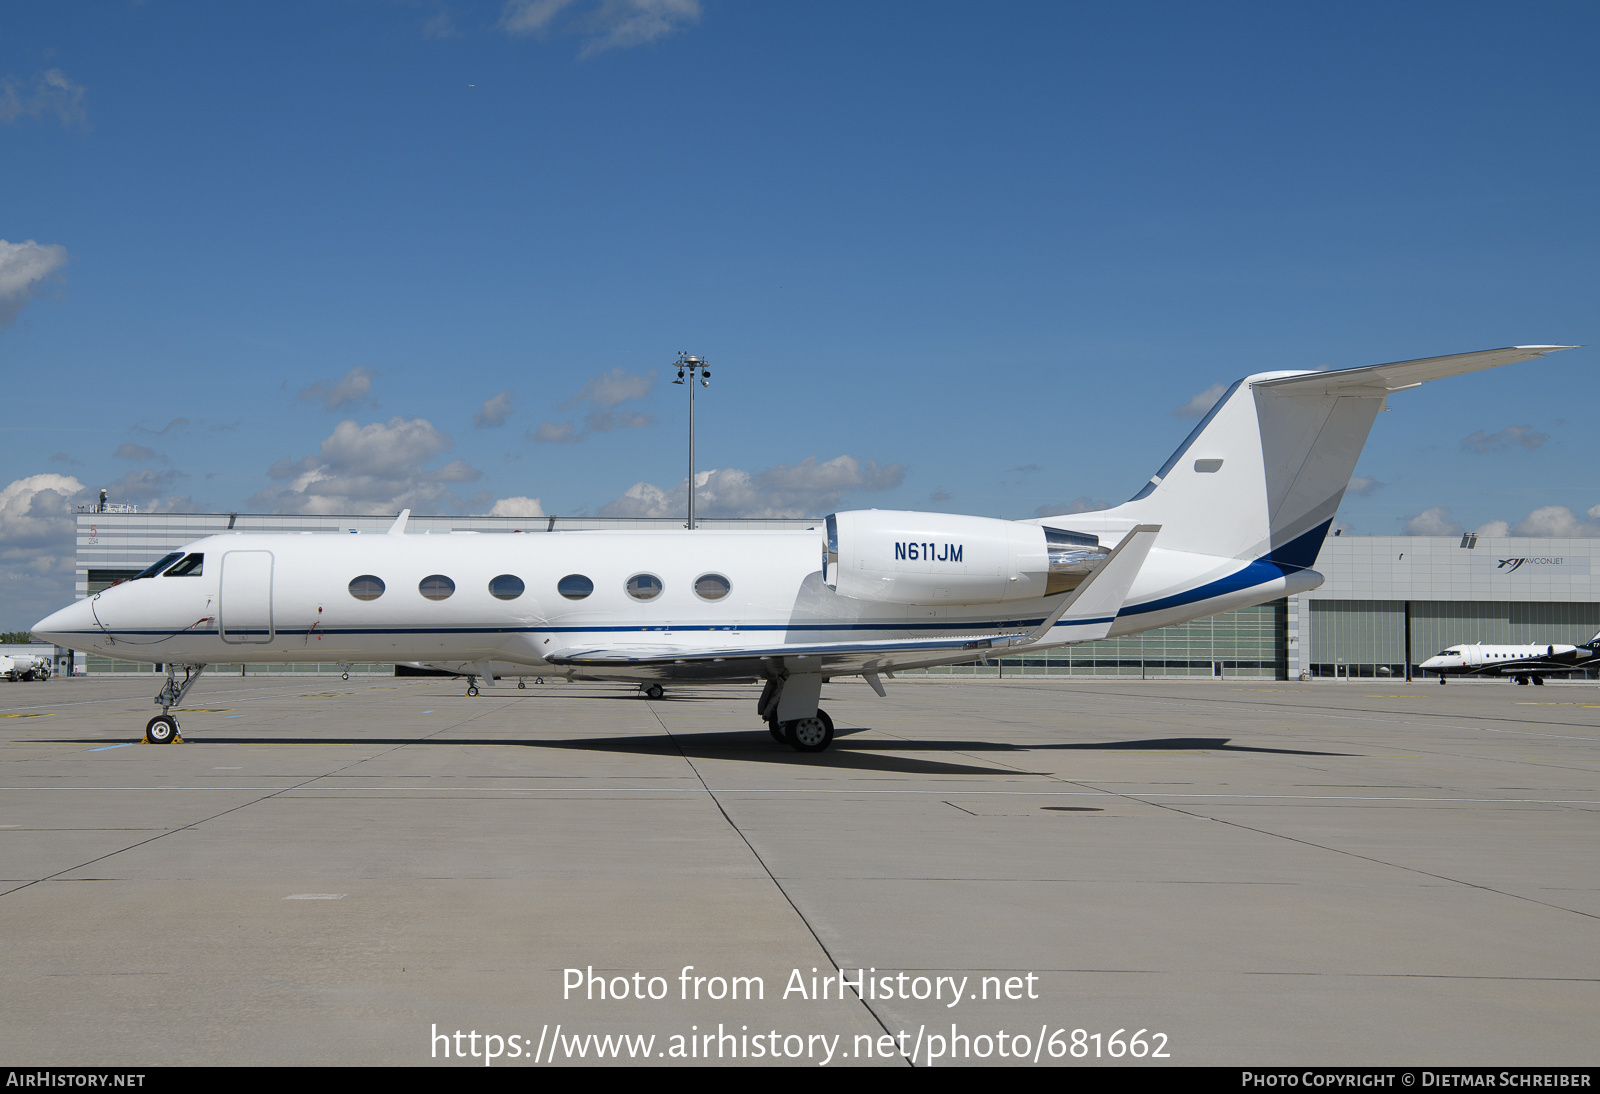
(875, 755)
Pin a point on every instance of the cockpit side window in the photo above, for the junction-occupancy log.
(189, 567)
(152, 571)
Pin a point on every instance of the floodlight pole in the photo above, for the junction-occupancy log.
(694, 368)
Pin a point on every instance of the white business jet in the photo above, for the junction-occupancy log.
(1524, 664)
(1235, 517)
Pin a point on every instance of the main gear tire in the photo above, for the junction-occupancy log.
(812, 734)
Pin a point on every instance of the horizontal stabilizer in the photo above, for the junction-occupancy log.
(1399, 375)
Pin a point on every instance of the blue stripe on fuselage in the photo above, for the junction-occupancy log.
(1279, 563)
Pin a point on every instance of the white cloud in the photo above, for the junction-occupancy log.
(1545, 522)
(1432, 522)
(1557, 522)
(531, 16)
(603, 24)
(23, 267)
(517, 507)
(34, 511)
(555, 433)
(179, 424)
(441, 25)
(608, 389)
(494, 413)
(133, 452)
(1202, 403)
(52, 94)
(1364, 484)
(604, 421)
(375, 468)
(806, 489)
(349, 393)
(149, 490)
(1520, 436)
(37, 547)
(602, 393)
(1081, 504)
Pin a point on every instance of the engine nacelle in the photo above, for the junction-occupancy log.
(937, 558)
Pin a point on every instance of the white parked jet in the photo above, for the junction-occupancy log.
(1235, 517)
(1521, 663)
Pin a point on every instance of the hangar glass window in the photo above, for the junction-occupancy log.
(711, 586)
(506, 587)
(366, 587)
(152, 571)
(644, 586)
(189, 567)
(574, 586)
(436, 587)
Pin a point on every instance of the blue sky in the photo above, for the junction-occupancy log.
(332, 255)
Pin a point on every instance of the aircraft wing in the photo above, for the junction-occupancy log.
(1399, 375)
(1083, 615)
(830, 658)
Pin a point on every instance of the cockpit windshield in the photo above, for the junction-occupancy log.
(152, 571)
(189, 567)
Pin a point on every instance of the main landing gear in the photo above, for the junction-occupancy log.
(803, 732)
(812, 734)
(163, 728)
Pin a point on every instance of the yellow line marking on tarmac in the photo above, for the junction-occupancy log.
(25, 715)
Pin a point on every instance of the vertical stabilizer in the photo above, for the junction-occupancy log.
(1262, 475)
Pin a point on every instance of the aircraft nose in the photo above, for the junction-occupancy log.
(71, 626)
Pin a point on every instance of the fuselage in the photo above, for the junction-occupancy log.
(522, 598)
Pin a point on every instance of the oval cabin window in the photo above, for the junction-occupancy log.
(712, 587)
(436, 587)
(506, 587)
(574, 586)
(366, 587)
(644, 586)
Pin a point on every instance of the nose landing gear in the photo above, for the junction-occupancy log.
(163, 728)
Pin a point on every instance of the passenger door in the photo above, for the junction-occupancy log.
(244, 605)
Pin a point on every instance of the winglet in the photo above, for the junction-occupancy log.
(1096, 602)
(398, 528)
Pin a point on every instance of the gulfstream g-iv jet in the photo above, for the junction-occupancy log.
(1235, 517)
